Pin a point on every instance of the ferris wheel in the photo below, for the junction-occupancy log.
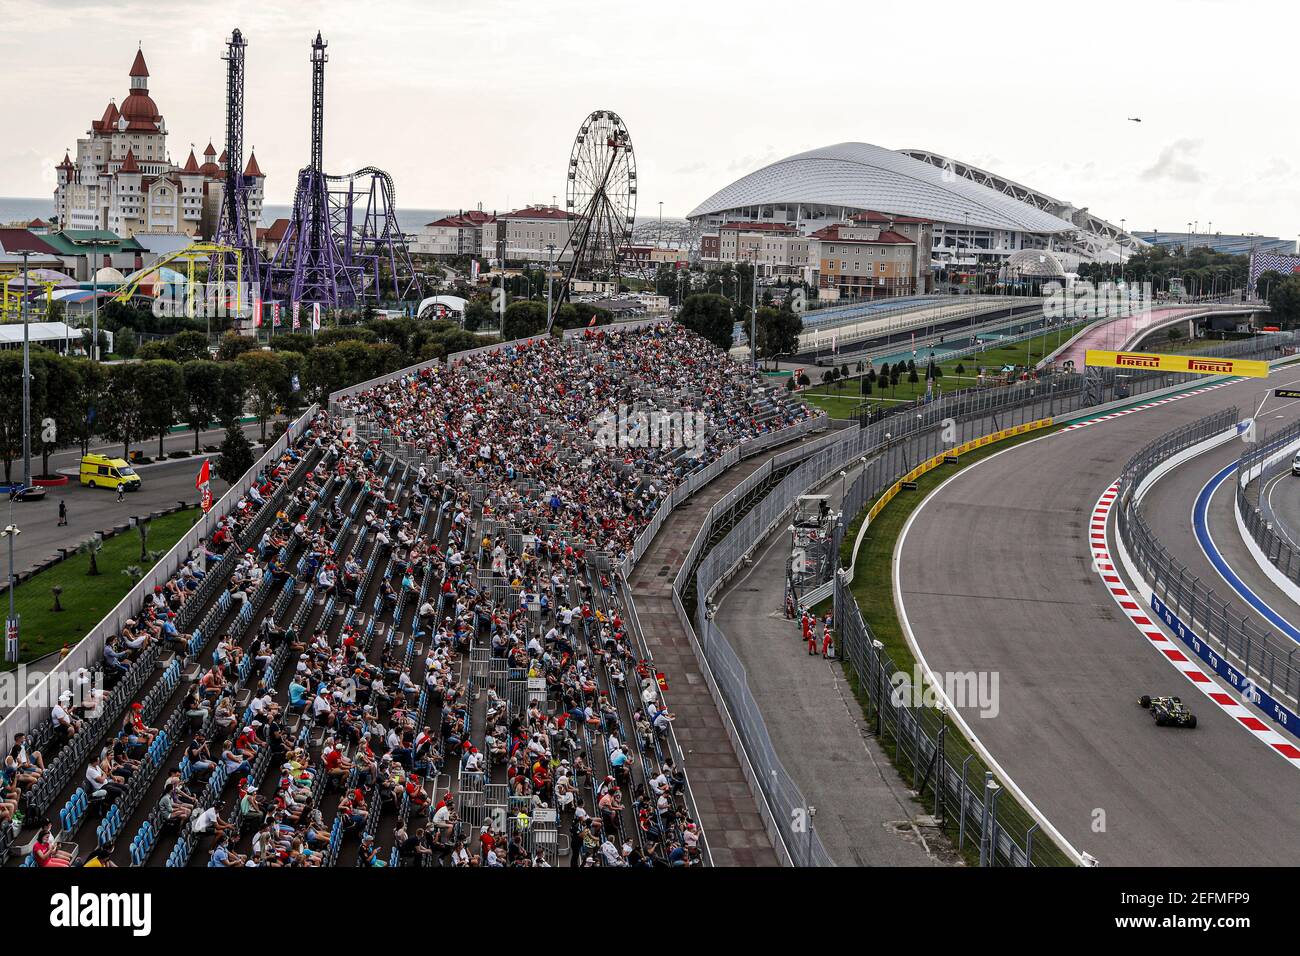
(600, 197)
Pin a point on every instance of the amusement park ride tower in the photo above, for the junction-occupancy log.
(344, 245)
(238, 268)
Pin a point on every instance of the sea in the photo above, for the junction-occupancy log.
(24, 210)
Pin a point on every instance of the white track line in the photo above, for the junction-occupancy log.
(1131, 605)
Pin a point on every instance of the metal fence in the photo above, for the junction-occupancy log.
(956, 791)
(1259, 463)
(34, 710)
(886, 451)
(1269, 661)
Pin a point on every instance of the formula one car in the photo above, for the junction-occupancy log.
(1169, 711)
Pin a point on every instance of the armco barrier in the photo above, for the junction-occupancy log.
(34, 709)
(892, 450)
(1259, 463)
(1272, 663)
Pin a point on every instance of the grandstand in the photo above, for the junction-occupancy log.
(404, 639)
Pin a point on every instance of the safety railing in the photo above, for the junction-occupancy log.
(1272, 663)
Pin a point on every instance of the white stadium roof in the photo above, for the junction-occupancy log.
(863, 176)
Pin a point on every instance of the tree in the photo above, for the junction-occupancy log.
(710, 316)
(234, 345)
(236, 455)
(91, 546)
(523, 318)
(778, 332)
(866, 385)
(121, 415)
(478, 315)
(188, 346)
(11, 408)
(202, 384)
(325, 371)
(92, 381)
(233, 392)
(62, 387)
(162, 390)
(268, 382)
(125, 341)
(1284, 300)
(912, 376)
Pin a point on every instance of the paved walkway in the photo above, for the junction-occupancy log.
(864, 814)
(732, 826)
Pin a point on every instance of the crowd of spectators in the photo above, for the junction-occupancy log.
(497, 556)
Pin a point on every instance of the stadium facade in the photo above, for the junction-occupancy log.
(978, 218)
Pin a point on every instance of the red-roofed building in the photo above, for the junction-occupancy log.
(534, 234)
(863, 260)
(458, 235)
(269, 238)
(123, 179)
(775, 249)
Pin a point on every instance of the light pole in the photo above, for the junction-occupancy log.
(94, 305)
(11, 531)
(27, 378)
(550, 266)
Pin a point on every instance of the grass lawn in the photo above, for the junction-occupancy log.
(843, 401)
(873, 589)
(86, 599)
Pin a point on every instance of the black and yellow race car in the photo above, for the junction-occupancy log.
(1168, 711)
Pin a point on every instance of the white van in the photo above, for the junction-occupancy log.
(1295, 464)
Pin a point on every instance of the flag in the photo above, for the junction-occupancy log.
(315, 316)
(275, 314)
(473, 270)
(592, 322)
(296, 324)
(257, 313)
(203, 483)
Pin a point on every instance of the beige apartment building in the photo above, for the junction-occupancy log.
(862, 260)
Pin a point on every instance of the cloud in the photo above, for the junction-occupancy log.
(1175, 163)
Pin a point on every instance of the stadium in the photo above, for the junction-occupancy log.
(974, 211)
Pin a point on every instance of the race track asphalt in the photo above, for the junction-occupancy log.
(994, 574)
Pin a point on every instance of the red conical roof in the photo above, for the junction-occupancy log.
(138, 68)
(109, 119)
(210, 151)
(191, 164)
(67, 161)
(251, 169)
(225, 155)
(128, 164)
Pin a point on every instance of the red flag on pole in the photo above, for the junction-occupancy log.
(203, 483)
(592, 322)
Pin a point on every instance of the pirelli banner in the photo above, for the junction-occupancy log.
(1196, 364)
(956, 451)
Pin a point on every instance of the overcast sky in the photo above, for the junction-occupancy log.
(479, 102)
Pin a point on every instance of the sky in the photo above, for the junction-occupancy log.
(466, 103)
